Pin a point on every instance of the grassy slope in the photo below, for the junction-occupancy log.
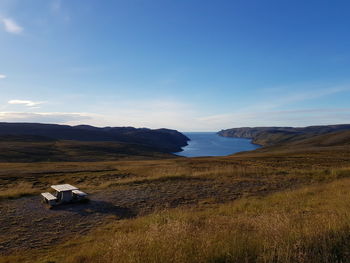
(325, 140)
(307, 225)
(278, 139)
(39, 151)
(335, 141)
(163, 139)
(311, 224)
(272, 136)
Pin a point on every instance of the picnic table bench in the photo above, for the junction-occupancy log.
(64, 193)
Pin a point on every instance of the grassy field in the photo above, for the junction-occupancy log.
(251, 207)
(311, 224)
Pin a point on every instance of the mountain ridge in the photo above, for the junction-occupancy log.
(165, 140)
(272, 136)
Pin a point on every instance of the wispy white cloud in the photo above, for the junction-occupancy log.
(302, 117)
(144, 113)
(2, 76)
(269, 111)
(183, 117)
(186, 116)
(11, 26)
(45, 117)
(284, 110)
(27, 103)
(293, 95)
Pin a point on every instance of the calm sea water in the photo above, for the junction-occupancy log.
(211, 144)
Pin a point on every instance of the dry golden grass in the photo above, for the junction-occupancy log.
(311, 224)
(17, 180)
(307, 225)
(18, 190)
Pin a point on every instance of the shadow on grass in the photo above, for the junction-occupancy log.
(96, 207)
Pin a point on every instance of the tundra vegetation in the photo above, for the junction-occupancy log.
(288, 204)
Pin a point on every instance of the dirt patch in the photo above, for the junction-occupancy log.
(27, 224)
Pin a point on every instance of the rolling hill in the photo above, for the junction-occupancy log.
(28, 142)
(272, 136)
(163, 139)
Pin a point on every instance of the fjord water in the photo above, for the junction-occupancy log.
(211, 144)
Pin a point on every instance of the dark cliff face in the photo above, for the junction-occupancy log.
(165, 140)
(268, 136)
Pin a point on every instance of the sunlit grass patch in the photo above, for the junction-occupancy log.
(307, 225)
(18, 190)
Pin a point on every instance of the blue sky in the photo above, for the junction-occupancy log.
(191, 65)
